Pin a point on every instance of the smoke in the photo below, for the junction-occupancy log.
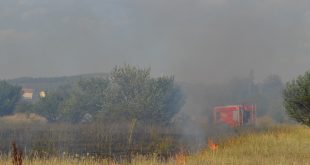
(198, 41)
(202, 41)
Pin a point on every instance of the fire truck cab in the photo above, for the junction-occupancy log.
(235, 115)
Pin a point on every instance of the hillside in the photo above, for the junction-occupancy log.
(51, 83)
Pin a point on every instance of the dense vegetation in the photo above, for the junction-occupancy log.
(297, 99)
(79, 98)
(9, 96)
(129, 94)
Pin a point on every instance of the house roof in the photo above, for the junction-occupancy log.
(27, 90)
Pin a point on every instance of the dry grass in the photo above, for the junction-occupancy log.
(279, 145)
(16, 155)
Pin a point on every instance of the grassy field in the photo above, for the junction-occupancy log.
(278, 145)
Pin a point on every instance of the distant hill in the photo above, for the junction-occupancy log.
(51, 83)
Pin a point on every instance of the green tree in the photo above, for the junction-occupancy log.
(133, 95)
(129, 94)
(72, 101)
(9, 96)
(49, 106)
(297, 99)
(85, 97)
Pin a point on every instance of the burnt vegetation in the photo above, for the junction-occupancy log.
(17, 154)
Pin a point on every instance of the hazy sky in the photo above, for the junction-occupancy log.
(196, 40)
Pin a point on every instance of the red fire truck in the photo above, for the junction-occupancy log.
(235, 115)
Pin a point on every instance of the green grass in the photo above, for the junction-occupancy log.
(279, 145)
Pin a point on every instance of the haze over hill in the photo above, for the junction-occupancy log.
(52, 83)
(197, 41)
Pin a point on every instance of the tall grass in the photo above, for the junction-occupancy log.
(116, 140)
(17, 155)
(278, 145)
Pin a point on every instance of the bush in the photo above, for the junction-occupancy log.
(129, 93)
(9, 96)
(297, 99)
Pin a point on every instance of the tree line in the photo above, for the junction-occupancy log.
(129, 93)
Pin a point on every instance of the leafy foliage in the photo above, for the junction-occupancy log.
(49, 106)
(133, 94)
(129, 94)
(9, 96)
(71, 102)
(297, 99)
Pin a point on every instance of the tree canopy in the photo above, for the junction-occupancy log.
(129, 93)
(297, 99)
(133, 94)
(9, 96)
